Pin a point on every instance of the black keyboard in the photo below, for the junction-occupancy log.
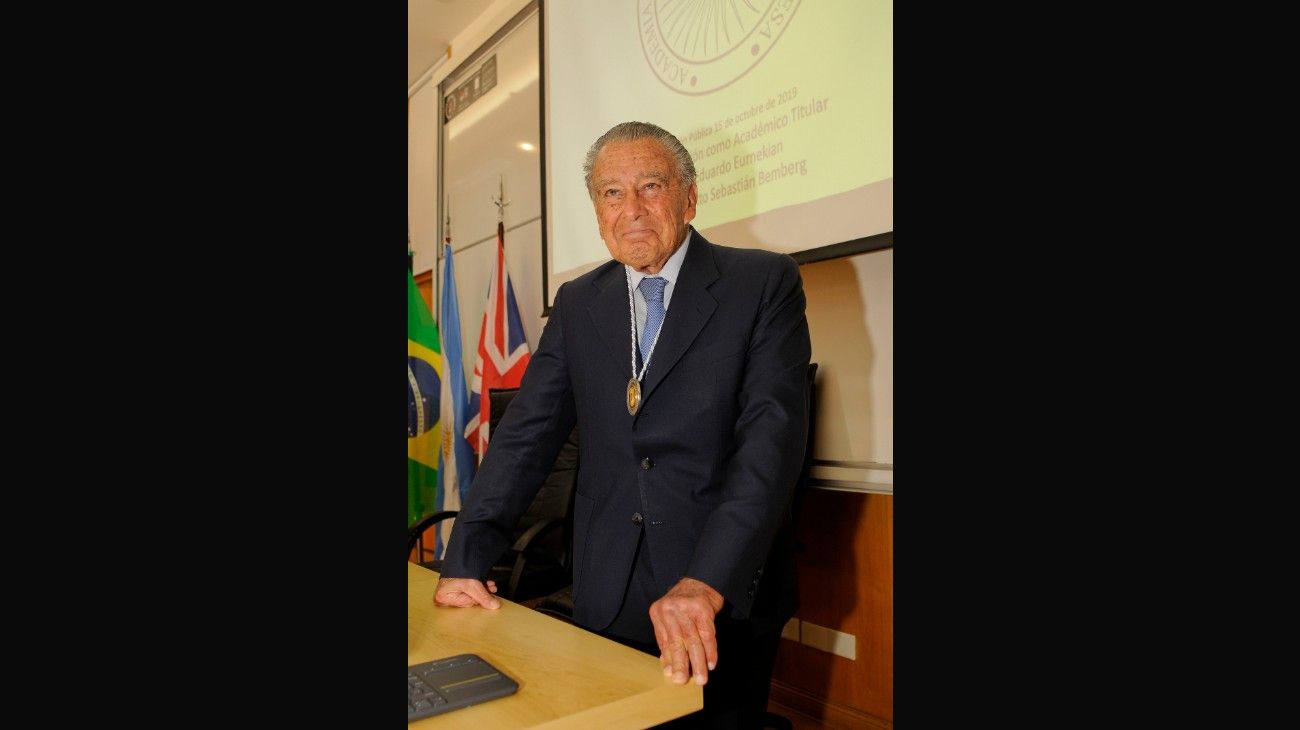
(443, 685)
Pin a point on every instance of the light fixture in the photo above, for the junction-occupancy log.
(526, 146)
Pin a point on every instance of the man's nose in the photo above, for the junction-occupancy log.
(634, 204)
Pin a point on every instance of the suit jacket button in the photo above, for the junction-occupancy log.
(637, 518)
(646, 463)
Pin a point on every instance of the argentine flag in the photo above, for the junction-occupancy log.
(456, 458)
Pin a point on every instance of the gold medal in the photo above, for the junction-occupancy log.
(633, 396)
(634, 385)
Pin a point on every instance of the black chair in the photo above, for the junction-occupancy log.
(805, 471)
(540, 560)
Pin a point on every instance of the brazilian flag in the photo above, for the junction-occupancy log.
(423, 386)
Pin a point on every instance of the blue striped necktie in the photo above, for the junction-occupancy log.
(652, 287)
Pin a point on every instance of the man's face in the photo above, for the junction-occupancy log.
(641, 205)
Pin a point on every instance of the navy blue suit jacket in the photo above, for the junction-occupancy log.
(709, 461)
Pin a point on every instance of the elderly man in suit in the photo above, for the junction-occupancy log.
(684, 364)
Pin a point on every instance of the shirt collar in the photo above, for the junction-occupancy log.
(671, 268)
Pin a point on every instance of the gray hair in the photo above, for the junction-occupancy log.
(641, 130)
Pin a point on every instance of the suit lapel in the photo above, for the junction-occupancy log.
(690, 309)
(608, 310)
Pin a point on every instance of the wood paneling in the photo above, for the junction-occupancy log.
(424, 282)
(846, 579)
(818, 712)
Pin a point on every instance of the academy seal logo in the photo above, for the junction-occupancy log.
(696, 47)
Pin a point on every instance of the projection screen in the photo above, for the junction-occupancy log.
(785, 105)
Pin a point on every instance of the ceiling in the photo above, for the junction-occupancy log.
(430, 27)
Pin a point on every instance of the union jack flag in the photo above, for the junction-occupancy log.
(502, 349)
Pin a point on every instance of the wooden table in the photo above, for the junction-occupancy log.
(568, 677)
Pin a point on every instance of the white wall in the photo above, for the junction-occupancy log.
(851, 321)
(422, 176)
(422, 193)
(479, 153)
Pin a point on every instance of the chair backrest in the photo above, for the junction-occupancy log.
(498, 398)
(555, 498)
(805, 471)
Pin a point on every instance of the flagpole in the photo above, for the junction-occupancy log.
(501, 203)
(502, 346)
(446, 232)
(446, 226)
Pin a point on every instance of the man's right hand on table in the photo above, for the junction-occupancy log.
(462, 592)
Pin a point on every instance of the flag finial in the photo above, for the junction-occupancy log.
(500, 201)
